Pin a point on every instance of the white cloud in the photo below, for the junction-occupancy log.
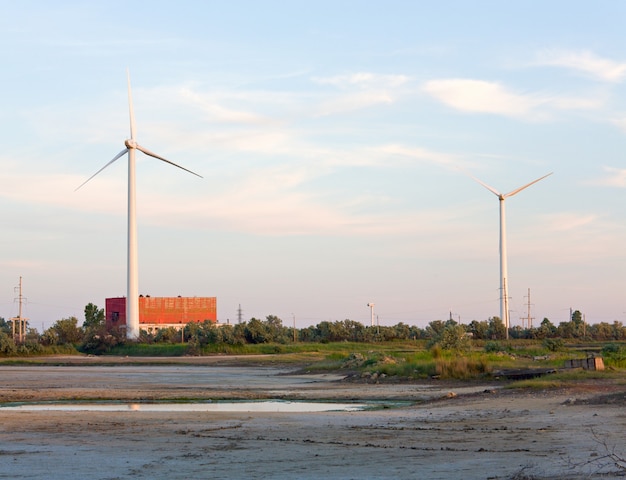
(421, 154)
(215, 111)
(584, 61)
(363, 80)
(620, 123)
(480, 96)
(569, 221)
(615, 177)
(365, 90)
(356, 101)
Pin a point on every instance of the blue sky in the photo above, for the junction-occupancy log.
(336, 141)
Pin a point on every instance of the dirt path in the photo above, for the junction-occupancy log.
(478, 432)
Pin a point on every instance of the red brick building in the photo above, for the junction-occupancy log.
(162, 312)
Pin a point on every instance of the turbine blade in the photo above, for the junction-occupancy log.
(130, 108)
(114, 158)
(510, 194)
(148, 152)
(491, 189)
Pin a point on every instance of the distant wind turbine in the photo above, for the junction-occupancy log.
(504, 287)
(132, 297)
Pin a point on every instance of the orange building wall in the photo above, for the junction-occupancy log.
(163, 310)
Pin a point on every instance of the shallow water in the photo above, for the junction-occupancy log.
(261, 406)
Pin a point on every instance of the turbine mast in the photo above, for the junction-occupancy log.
(504, 294)
(132, 285)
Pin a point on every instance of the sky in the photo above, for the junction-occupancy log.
(338, 143)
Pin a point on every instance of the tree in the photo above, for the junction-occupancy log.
(435, 328)
(275, 330)
(5, 326)
(619, 331)
(64, 331)
(256, 332)
(167, 335)
(97, 340)
(479, 330)
(94, 316)
(497, 329)
(454, 338)
(601, 331)
(7, 345)
(546, 329)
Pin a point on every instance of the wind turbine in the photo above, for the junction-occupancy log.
(504, 292)
(132, 297)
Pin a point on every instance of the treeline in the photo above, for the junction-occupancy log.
(92, 337)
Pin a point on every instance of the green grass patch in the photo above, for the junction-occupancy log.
(566, 378)
(150, 350)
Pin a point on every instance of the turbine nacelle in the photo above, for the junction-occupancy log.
(130, 143)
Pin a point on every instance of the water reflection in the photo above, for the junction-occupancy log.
(261, 406)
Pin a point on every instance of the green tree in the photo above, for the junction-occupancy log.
(275, 330)
(63, 332)
(454, 337)
(601, 331)
(578, 324)
(97, 340)
(5, 326)
(94, 316)
(7, 345)
(435, 328)
(167, 335)
(479, 330)
(546, 329)
(619, 330)
(497, 329)
(256, 331)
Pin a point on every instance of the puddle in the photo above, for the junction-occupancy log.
(260, 406)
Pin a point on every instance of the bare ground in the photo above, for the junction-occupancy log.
(440, 431)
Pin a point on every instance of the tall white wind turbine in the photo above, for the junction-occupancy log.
(504, 287)
(132, 297)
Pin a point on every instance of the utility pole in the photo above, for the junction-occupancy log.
(20, 336)
(529, 319)
(294, 328)
(505, 300)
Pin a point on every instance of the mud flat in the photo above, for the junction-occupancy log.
(422, 430)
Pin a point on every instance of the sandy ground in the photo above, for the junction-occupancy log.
(429, 430)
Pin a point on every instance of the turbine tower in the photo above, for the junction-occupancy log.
(132, 297)
(504, 288)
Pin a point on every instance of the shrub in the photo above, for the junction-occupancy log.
(7, 345)
(98, 340)
(611, 349)
(460, 368)
(553, 344)
(494, 347)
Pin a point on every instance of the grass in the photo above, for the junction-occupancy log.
(566, 378)
(409, 360)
